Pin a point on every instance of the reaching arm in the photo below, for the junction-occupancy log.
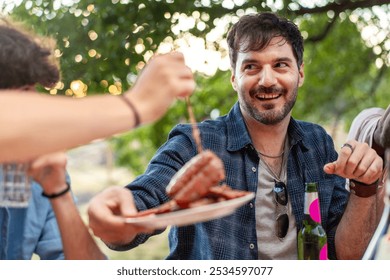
(358, 162)
(372, 126)
(78, 244)
(76, 239)
(36, 124)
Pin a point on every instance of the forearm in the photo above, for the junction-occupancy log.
(380, 205)
(78, 244)
(35, 124)
(356, 227)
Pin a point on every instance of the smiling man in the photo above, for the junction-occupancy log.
(264, 150)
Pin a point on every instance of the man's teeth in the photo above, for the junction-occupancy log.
(268, 96)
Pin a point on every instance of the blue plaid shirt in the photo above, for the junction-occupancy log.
(234, 236)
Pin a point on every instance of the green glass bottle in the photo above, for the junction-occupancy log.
(312, 240)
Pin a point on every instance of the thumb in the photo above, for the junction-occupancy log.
(126, 204)
(330, 168)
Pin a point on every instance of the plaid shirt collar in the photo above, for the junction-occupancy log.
(238, 136)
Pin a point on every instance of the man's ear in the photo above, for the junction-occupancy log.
(233, 80)
(301, 75)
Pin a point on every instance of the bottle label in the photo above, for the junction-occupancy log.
(314, 211)
(313, 206)
(324, 252)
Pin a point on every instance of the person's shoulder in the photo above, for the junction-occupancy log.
(310, 127)
(204, 126)
(214, 124)
(314, 134)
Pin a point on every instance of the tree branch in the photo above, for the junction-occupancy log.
(377, 80)
(325, 32)
(341, 7)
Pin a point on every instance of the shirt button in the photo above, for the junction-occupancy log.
(251, 205)
(251, 246)
(254, 169)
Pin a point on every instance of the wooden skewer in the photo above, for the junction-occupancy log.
(195, 129)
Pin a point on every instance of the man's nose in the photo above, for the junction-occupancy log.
(267, 77)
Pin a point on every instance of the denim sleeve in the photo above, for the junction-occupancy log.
(49, 246)
(41, 233)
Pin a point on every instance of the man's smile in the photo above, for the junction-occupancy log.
(267, 96)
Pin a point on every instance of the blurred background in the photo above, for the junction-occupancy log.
(102, 45)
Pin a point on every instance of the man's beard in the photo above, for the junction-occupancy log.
(270, 116)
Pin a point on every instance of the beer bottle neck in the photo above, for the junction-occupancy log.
(312, 206)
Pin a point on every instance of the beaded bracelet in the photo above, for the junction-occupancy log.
(137, 119)
(55, 195)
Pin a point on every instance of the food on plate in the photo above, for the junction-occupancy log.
(197, 184)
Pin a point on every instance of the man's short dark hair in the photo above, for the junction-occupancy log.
(253, 32)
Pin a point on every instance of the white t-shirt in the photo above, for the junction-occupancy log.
(363, 126)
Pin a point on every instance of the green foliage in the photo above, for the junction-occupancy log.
(113, 30)
(105, 42)
(331, 69)
(340, 75)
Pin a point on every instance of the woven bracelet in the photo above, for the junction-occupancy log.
(55, 195)
(137, 120)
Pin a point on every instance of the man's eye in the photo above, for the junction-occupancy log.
(281, 64)
(250, 67)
